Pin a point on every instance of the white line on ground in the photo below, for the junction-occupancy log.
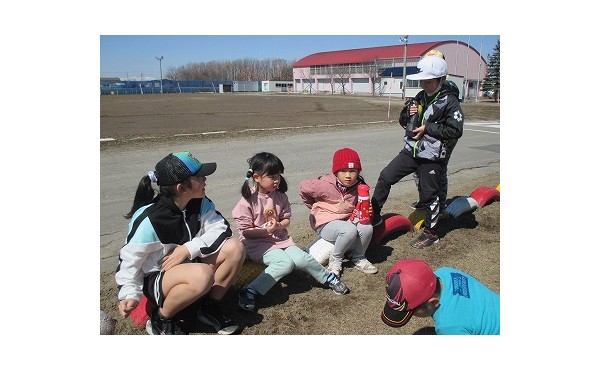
(487, 124)
(140, 138)
(491, 124)
(484, 131)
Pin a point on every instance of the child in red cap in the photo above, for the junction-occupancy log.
(458, 303)
(331, 199)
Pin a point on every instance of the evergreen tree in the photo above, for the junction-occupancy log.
(492, 78)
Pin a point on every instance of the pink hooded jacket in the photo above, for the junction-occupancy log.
(325, 201)
(250, 214)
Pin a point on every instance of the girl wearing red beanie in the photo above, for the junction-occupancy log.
(331, 199)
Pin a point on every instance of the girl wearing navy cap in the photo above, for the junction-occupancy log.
(179, 224)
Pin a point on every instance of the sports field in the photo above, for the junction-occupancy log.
(126, 120)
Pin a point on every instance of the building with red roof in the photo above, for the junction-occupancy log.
(380, 70)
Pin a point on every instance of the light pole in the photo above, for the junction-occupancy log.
(160, 65)
(405, 41)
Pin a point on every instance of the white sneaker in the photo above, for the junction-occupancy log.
(365, 266)
(149, 327)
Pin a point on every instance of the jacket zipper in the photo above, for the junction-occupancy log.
(187, 226)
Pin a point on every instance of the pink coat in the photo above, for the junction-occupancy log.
(249, 214)
(325, 201)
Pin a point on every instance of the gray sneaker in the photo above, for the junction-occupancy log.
(336, 284)
(425, 239)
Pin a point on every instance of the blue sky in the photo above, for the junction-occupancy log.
(133, 55)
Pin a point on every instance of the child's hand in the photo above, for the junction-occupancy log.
(126, 306)
(418, 132)
(174, 258)
(272, 226)
(370, 210)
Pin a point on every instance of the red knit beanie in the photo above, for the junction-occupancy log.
(345, 158)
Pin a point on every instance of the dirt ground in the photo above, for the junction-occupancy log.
(298, 304)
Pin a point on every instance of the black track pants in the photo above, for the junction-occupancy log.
(429, 177)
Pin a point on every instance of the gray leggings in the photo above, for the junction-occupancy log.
(347, 237)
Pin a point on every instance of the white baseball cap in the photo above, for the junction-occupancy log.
(430, 67)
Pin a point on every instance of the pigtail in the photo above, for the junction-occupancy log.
(283, 187)
(246, 193)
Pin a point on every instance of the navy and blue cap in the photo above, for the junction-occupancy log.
(177, 167)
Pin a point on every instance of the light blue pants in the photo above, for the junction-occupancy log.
(347, 237)
(280, 262)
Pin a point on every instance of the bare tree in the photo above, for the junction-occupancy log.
(239, 69)
(308, 78)
(342, 74)
(331, 74)
(280, 70)
(171, 73)
(372, 70)
(283, 70)
(265, 69)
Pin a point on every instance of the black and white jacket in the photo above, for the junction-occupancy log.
(443, 119)
(158, 228)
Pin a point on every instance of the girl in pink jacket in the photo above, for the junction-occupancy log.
(331, 199)
(262, 216)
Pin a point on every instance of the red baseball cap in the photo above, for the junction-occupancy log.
(410, 283)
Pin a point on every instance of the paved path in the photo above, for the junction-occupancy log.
(304, 156)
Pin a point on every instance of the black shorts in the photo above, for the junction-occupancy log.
(153, 288)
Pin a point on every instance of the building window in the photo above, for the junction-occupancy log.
(412, 83)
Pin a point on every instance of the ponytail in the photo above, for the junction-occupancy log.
(143, 196)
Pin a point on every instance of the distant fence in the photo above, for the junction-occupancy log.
(170, 86)
(153, 90)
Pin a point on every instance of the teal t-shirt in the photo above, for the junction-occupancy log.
(467, 307)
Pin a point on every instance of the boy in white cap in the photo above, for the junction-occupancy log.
(438, 127)
(458, 303)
